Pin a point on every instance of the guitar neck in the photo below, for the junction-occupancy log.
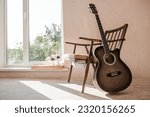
(101, 30)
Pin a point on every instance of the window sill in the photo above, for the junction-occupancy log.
(35, 68)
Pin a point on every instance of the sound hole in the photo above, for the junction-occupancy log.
(109, 59)
(114, 74)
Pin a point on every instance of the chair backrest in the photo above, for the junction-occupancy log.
(116, 37)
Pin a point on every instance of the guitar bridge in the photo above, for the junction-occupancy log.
(114, 74)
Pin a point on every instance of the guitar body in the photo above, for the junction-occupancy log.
(111, 74)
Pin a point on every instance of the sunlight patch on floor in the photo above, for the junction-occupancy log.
(88, 90)
(50, 91)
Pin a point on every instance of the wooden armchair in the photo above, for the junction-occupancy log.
(115, 39)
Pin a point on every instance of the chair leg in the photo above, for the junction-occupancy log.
(85, 77)
(70, 72)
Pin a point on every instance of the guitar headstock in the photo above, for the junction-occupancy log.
(93, 8)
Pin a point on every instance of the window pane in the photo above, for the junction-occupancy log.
(45, 30)
(14, 31)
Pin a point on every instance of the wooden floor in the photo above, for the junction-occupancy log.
(46, 89)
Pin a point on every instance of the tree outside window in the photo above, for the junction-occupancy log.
(46, 47)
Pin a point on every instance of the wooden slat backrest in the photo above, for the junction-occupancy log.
(116, 37)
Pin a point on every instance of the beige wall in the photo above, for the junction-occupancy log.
(113, 13)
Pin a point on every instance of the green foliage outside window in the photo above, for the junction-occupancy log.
(47, 45)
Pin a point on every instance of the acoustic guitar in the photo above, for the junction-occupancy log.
(111, 74)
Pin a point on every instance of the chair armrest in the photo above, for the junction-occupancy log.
(90, 39)
(78, 44)
(98, 40)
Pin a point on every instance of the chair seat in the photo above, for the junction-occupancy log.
(76, 57)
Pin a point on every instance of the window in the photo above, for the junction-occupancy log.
(33, 31)
(14, 32)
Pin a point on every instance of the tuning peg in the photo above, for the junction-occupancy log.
(90, 9)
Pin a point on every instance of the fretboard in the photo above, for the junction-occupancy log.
(104, 41)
